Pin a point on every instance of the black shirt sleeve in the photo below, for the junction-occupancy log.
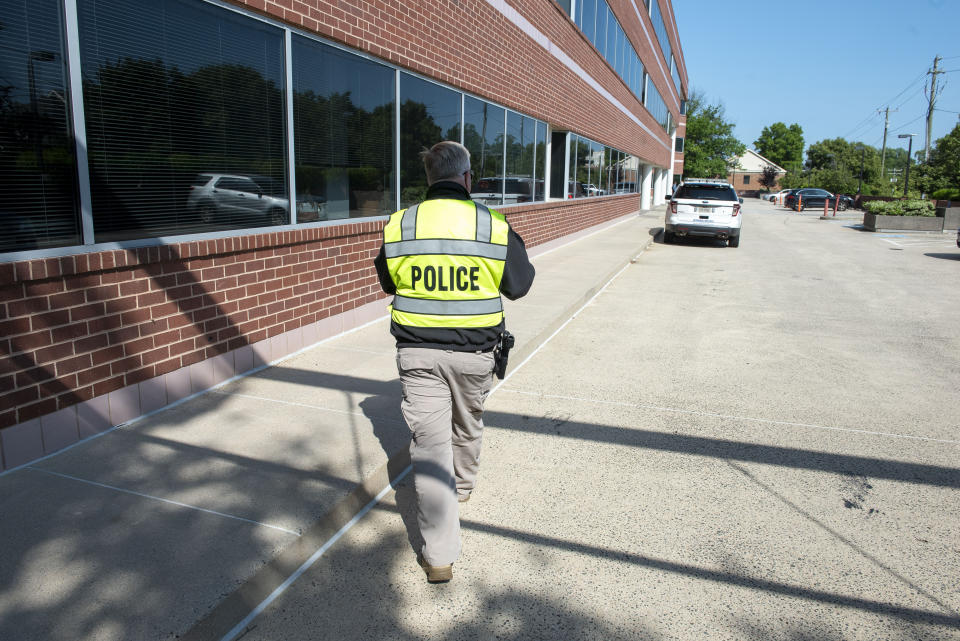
(383, 274)
(518, 273)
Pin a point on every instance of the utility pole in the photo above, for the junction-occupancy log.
(933, 98)
(886, 124)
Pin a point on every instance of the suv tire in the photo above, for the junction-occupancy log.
(734, 241)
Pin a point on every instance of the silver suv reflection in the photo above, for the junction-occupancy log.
(238, 198)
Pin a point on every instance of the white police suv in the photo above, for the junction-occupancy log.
(704, 207)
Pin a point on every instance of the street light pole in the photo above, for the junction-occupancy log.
(906, 180)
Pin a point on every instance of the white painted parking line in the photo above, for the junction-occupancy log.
(162, 500)
(734, 417)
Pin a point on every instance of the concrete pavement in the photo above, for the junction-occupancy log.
(149, 530)
(725, 444)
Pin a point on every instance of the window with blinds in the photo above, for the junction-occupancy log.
(429, 114)
(599, 170)
(179, 95)
(38, 194)
(483, 137)
(343, 115)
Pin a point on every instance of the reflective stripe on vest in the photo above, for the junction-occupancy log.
(446, 258)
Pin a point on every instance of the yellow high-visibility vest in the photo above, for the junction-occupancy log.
(446, 259)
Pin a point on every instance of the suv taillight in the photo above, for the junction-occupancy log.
(736, 209)
(673, 206)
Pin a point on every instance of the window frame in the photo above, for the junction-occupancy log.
(77, 120)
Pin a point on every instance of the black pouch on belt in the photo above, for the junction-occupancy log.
(502, 353)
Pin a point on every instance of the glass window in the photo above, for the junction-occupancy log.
(596, 168)
(678, 146)
(343, 119)
(657, 107)
(622, 52)
(601, 34)
(518, 184)
(540, 162)
(565, 4)
(483, 137)
(429, 114)
(612, 26)
(661, 29)
(706, 191)
(171, 89)
(746, 179)
(582, 174)
(588, 18)
(38, 197)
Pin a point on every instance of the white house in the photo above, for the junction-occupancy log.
(745, 178)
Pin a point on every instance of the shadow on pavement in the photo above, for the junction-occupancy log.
(954, 256)
(133, 569)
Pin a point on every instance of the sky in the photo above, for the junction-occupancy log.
(827, 66)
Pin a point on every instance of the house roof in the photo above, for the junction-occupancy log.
(752, 161)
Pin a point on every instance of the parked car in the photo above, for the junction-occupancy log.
(773, 195)
(494, 190)
(593, 190)
(846, 202)
(575, 189)
(812, 197)
(238, 198)
(704, 207)
(626, 187)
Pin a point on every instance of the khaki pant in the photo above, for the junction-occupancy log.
(443, 396)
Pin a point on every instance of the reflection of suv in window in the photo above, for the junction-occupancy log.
(516, 189)
(704, 207)
(593, 190)
(240, 199)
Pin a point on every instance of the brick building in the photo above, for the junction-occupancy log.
(193, 188)
(745, 178)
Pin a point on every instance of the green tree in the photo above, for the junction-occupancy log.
(942, 171)
(769, 177)
(781, 144)
(710, 148)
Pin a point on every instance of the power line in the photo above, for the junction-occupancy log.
(907, 124)
(866, 121)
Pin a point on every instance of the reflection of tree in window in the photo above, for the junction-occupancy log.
(541, 161)
(483, 137)
(38, 190)
(171, 89)
(343, 127)
(518, 185)
(429, 114)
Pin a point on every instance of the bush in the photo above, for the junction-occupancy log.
(900, 207)
(946, 194)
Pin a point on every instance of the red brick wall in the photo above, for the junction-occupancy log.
(81, 326)
(472, 46)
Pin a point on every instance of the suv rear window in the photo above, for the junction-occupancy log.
(706, 192)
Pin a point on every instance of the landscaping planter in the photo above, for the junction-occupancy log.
(950, 217)
(875, 222)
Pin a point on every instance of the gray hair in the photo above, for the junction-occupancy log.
(445, 160)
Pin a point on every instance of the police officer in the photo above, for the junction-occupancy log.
(447, 260)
